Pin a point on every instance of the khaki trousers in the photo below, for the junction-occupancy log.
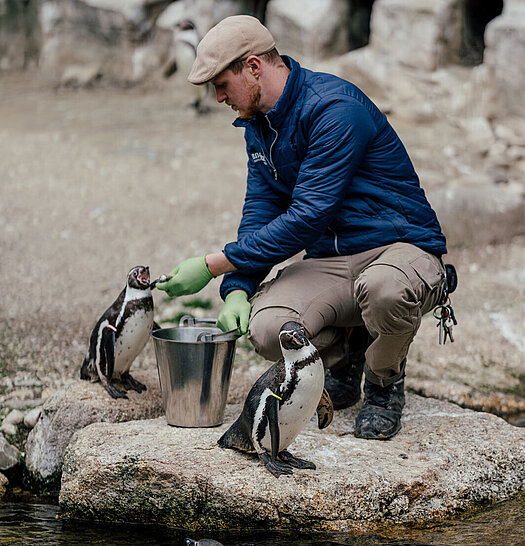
(387, 289)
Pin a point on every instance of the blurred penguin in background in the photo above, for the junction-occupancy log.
(185, 41)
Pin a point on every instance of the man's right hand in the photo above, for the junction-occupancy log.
(235, 312)
(189, 277)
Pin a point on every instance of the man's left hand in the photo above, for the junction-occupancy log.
(189, 277)
(235, 312)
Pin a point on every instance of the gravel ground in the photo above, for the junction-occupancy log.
(97, 181)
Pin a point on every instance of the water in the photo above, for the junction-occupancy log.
(28, 523)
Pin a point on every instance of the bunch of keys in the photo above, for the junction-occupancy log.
(447, 320)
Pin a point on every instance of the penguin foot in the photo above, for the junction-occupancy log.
(291, 460)
(113, 391)
(131, 383)
(275, 467)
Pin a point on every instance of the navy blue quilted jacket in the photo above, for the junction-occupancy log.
(326, 174)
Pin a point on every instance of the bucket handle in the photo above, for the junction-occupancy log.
(205, 336)
(188, 320)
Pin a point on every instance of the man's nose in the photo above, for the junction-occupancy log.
(220, 95)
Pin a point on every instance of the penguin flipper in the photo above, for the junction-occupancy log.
(276, 467)
(107, 354)
(272, 413)
(108, 346)
(325, 410)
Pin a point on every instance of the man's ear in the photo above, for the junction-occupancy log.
(254, 65)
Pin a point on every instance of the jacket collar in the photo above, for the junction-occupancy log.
(290, 93)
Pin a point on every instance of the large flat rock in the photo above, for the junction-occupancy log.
(445, 459)
(75, 407)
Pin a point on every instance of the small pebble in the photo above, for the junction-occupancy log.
(32, 417)
(14, 417)
(8, 429)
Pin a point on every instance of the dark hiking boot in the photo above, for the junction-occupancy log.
(344, 383)
(380, 415)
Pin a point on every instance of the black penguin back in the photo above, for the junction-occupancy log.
(239, 435)
(110, 314)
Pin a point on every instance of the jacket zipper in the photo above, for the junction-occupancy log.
(335, 241)
(271, 148)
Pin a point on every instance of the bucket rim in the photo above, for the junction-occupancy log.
(224, 338)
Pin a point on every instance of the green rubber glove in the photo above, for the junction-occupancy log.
(188, 277)
(235, 313)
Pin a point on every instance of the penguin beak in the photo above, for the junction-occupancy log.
(293, 340)
(143, 277)
(299, 339)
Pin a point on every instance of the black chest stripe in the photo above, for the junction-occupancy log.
(145, 304)
(292, 386)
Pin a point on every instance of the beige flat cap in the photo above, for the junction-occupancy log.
(234, 38)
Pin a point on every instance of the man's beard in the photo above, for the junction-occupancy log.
(254, 90)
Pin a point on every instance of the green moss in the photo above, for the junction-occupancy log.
(519, 389)
(198, 303)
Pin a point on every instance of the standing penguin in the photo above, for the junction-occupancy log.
(120, 335)
(184, 50)
(281, 402)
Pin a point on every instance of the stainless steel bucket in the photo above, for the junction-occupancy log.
(195, 364)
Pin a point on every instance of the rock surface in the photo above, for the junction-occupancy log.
(19, 34)
(445, 459)
(116, 37)
(14, 417)
(504, 55)
(8, 429)
(426, 22)
(31, 417)
(309, 29)
(71, 409)
(484, 368)
(3, 485)
(9, 455)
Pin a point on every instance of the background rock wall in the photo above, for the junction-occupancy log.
(20, 39)
(78, 42)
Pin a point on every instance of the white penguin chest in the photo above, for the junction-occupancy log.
(132, 339)
(295, 413)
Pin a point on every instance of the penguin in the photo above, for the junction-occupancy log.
(281, 402)
(185, 41)
(120, 335)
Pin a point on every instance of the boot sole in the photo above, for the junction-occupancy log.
(371, 435)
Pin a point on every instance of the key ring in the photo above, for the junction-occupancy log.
(444, 313)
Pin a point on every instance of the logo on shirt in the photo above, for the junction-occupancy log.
(258, 156)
